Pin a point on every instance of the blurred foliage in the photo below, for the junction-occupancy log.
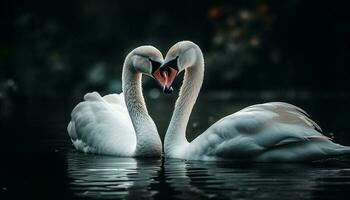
(67, 48)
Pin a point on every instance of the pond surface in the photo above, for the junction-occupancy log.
(109, 177)
(39, 162)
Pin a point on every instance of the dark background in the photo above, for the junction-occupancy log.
(53, 52)
(50, 48)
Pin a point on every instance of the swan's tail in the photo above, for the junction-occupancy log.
(71, 131)
(316, 149)
(339, 154)
(331, 151)
(329, 147)
(77, 143)
(341, 150)
(110, 98)
(92, 96)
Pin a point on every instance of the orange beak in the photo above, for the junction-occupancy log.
(165, 77)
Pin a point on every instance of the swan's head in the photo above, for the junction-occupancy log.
(147, 60)
(179, 57)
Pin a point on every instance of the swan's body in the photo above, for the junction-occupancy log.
(266, 132)
(102, 125)
(118, 124)
(271, 132)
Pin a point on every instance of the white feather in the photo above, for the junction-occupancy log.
(270, 132)
(102, 125)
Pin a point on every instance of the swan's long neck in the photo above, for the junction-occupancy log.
(147, 139)
(175, 138)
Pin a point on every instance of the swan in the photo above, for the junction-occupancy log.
(269, 132)
(119, 124)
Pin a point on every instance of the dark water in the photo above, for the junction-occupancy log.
(108, 177)
(39, 162)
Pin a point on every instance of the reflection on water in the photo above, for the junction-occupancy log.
(111, 177)
(259, 181)
(127, 178)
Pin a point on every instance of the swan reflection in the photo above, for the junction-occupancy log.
(207, 180)
(106, 177)
(110, 177)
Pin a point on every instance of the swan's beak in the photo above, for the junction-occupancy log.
(166, 74)
(165, 77)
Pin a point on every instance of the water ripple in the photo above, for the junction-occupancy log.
(128, 178)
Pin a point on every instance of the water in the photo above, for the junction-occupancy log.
(128, 178)
(39, 162)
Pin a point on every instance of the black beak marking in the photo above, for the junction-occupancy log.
(171, 63)
(155, 65)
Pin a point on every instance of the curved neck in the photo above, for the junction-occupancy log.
(175, 137)
(147, 139)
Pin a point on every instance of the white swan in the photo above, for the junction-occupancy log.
(106, 125)
(270, 132)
